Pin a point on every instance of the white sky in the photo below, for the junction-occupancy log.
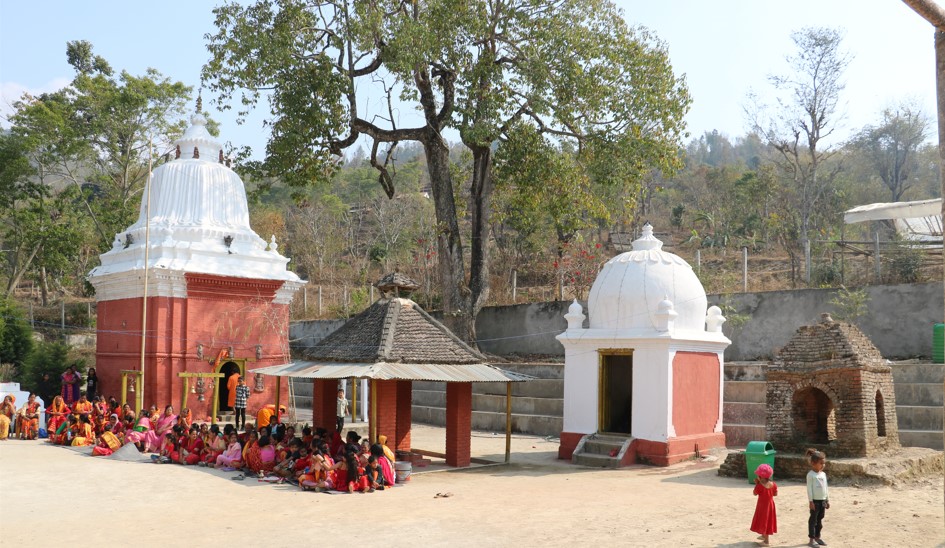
(724, 47)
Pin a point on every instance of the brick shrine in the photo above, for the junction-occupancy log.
(830, 389)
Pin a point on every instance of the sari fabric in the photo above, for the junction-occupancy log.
(70, 387)
(231, 457)
(27, 422)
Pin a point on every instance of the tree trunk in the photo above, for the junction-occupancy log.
(457, 313)
(480, 206)
(44, 286)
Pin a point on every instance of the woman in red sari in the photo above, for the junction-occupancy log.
(28, 419)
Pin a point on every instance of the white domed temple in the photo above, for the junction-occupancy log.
(217, 293)
(648, 369)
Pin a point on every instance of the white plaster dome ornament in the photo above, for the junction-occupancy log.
(637, 290)
(199, 222)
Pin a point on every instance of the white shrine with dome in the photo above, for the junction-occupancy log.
(217, 295)
(649, 366)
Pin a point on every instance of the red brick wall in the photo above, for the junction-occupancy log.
(404, 402)
(695, 393)
(458, 423)
(219, 312)
(385, 398)
(324, 404)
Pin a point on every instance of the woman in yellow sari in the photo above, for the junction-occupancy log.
(84, 435)
(7, 410)
(55, 417)
(27, 422)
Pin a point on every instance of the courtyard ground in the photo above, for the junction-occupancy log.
(57, 495)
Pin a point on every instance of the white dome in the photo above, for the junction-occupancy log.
(199, 221)
(629, 290)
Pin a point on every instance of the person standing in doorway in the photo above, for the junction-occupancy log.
(342, 411)
(239, 404)
(231, 391)
(91, 384)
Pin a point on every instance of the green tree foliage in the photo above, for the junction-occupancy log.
(82, 158)
(573, 70)
(47, 357)
(16, 337)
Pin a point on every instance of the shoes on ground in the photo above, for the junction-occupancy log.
(820, 542)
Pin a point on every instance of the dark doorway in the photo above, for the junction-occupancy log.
(880, 415)
(616, 393)
(228, 369)
(814, 417)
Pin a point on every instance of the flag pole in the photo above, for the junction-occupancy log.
(144, 296)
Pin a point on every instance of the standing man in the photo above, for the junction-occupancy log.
(231, 391)
(342, 411)
(239, 404)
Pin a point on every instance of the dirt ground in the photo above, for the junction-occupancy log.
(56, 495)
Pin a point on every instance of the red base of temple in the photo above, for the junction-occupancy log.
(568, 442)
(657, 453)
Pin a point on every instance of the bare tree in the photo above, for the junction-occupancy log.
(892, 147)
(806, 116)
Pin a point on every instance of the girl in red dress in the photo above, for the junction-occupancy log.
(765, 521)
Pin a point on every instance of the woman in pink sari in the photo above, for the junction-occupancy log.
(163, 426)
(233, 456)
(70, 385)
(141, 433)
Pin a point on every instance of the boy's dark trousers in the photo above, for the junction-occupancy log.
(240, 412)
(814, 524)
(339, 423)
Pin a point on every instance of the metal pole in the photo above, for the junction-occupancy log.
(372, 292)
(508, 421)
(514, 285)
(561, 286)
(305, 299)
(807, 261)
(373, 429)
(32, 322)
(878, 266)
(144, 294)
(364, 401)
(842, 254)
(745, 269)
(319, 300)
(354, 400)
(698, 262)
(278, 398)
(62, 316)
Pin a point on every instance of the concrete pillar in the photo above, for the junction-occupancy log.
(404, 402)
(458, 423)
(324, 404)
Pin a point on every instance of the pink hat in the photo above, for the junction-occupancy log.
(764, 471)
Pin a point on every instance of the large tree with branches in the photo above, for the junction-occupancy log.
(571, 69)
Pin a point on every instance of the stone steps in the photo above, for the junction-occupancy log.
(744, 413)
(919, 393)
(495, 404)
(596, 452)
(921, 438)
(738, 435)
(918, 372)
(541, 425)
(744, 391)
(745, 371)
(913, 417)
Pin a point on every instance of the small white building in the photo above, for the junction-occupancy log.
(649, 367)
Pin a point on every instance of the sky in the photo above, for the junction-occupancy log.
(725, 48)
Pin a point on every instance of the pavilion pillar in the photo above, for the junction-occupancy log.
(385, 400)
(458, 423)
(324, 403)
(404, 403)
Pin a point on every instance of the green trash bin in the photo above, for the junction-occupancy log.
(756, 454)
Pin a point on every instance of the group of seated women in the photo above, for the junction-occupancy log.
(318, 460)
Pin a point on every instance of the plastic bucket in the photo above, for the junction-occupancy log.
(402, 471)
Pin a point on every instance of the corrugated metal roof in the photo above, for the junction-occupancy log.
(474, 372)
